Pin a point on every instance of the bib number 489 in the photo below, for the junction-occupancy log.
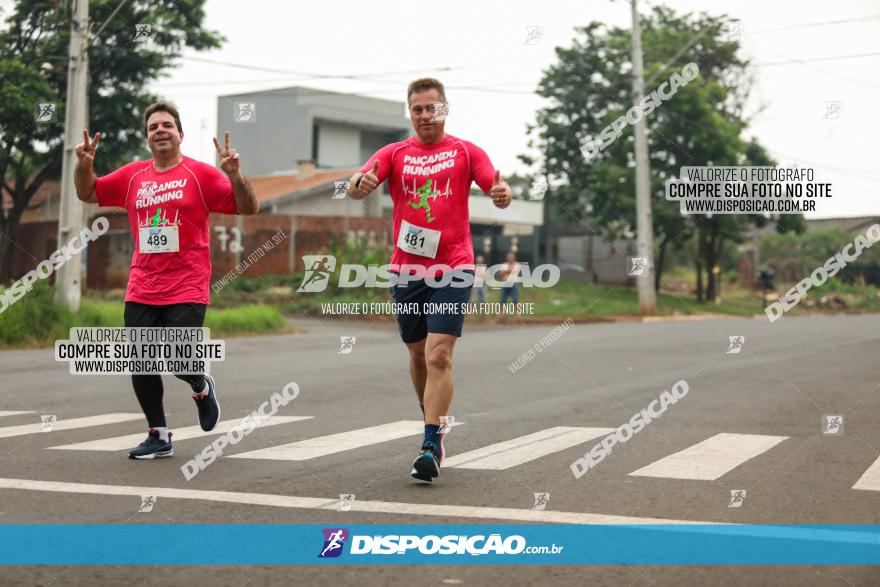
(161, 239)
(157, 240)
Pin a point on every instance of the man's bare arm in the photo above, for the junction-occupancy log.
(230, 162)
(84, 178)
(245, 196)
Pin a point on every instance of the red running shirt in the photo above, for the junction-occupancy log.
(430, 186)
(171, 204)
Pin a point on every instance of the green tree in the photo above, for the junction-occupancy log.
(34, 42)
(794, 257)
(702, 124)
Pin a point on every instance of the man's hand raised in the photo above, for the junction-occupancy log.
(362, 184)
(500, 192)
(229, 160)
(85, 151)
(370, 180)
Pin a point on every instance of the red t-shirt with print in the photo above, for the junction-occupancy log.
(164, 207)
(430, 186)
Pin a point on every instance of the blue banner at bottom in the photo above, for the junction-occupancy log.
(480, 544)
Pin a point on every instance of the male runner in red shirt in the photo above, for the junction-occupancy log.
(429, 177)
(168, 199)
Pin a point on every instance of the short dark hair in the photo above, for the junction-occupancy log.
(425, 83)
(163, 106)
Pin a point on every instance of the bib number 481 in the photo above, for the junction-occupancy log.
(414, 240)
(418, 240)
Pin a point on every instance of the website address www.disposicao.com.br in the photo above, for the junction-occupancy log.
(335, 540)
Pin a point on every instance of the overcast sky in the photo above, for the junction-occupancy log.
(478, 49)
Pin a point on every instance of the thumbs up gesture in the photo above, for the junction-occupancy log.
(369, 180)
(500, 192)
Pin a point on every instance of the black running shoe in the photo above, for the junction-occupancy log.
(208, 406)
(427, 465)
(152, 447)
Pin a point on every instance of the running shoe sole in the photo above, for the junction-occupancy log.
(425, 469)
(160, 454)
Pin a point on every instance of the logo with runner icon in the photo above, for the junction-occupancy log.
(334, 540)
(48, 422)
(736, 344)
(832, 424)
(346, 344)
(541, 501)
(317, 275)
(737, 497)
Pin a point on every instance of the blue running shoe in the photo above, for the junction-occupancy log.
(152, 447)
(208, 406)
(427, 465)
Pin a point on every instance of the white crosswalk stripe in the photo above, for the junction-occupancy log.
(7, 413)
(190, 432)
(510, 453)
(710, 459)
(71, 424)
(870, 480)
(304, 450)
(707, 460)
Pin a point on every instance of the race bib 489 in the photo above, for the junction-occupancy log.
(159, 239)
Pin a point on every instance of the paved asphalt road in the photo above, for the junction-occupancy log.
(773, 395)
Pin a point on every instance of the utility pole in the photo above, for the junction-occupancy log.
(644, 225)
(545, 229)
(71, 212)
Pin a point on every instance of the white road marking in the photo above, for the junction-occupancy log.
(440, 510)
(71, 424)
(510, 453)
(130, 440)
(332, 504)
(870, 480)
(712, 458)
(304, 450)
(7, 413)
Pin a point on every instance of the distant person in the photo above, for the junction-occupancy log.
(509, 274)
(478, 293)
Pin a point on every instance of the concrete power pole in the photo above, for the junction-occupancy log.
(71, 212)
(644, 226)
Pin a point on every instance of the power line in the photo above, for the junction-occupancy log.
(310, 75)
(813, 59)
(853, 80)
(376, 77)
(815, 24)
(365, 77)
(835, 168)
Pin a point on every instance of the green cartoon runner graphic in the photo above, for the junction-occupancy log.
(424, 193)
(154, 220)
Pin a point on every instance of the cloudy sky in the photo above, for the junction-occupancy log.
(479, 50)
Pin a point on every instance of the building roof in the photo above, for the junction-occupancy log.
(272, 187)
